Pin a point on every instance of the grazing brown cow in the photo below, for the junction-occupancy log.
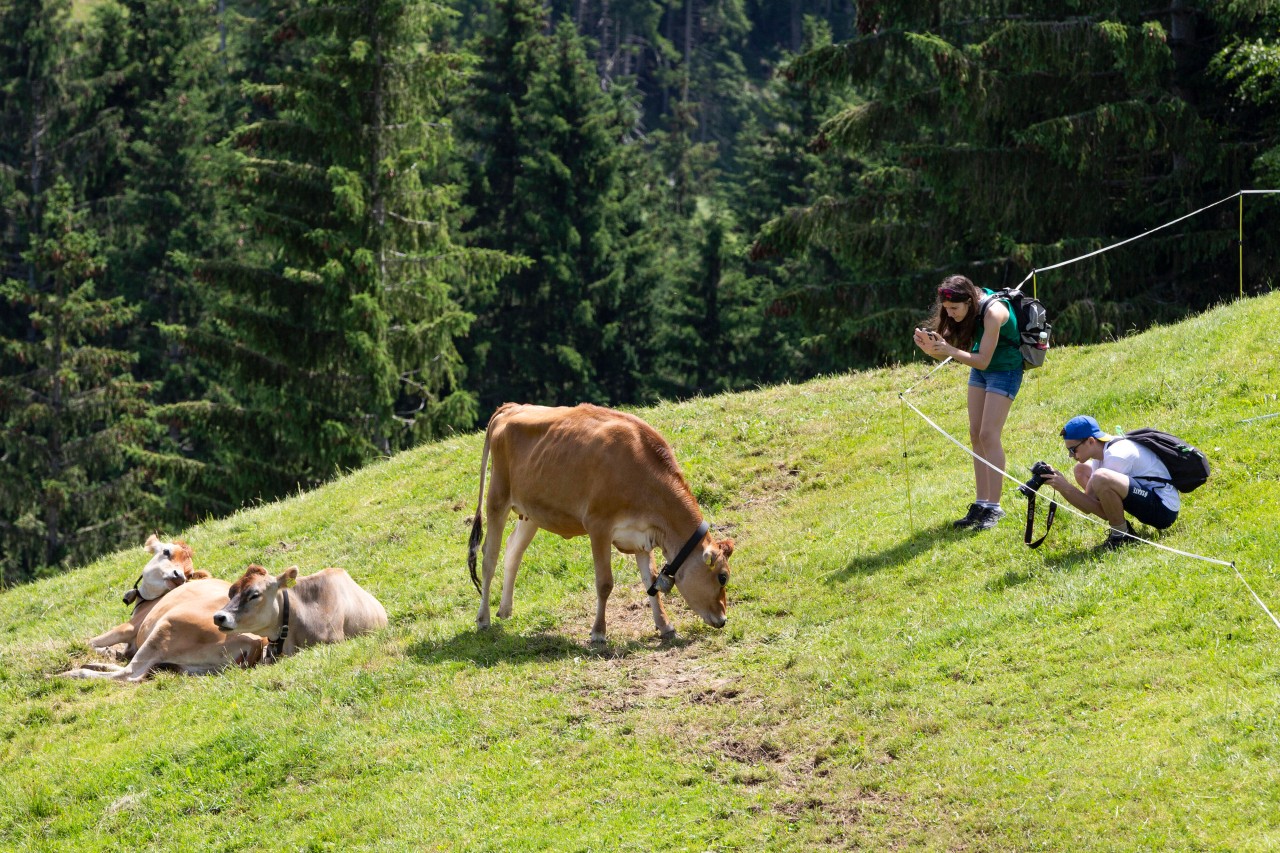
(326, 607)
(606, 474)
(170, 566)
(179, 634)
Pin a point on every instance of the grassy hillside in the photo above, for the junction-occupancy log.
(883, 681)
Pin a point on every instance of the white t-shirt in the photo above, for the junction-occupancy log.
(1138, 463)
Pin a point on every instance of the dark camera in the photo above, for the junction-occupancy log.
(1040, 474)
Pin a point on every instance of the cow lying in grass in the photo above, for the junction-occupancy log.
(170, 567)
(326, 607)
(178, 634)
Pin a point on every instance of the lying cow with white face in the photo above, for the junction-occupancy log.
(170, 567)
(179, 634)
(326, 607)
(608, 475)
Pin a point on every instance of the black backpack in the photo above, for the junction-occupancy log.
(1188, 467)
(1033, 324)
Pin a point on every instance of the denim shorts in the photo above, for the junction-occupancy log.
(1003, 382)
(1144, 504)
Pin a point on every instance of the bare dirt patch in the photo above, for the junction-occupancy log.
(628, 682)
(769, 487)
(842, 814)
(636, 667)
(280, 548)
(747, 752)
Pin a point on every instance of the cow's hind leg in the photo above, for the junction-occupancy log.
(94, 669)
(644, 561)
(497, 513)
(602, 556)
(517, 542)
(134, 672)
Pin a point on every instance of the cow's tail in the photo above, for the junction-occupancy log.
(477, 524)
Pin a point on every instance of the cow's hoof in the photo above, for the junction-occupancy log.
(597, 639)
(504, 612)
(482, 625)
(667, 635)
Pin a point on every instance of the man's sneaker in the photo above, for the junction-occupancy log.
(975, 513)
(1117, 539)
(990, 517)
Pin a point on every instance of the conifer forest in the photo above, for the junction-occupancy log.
(249, 245)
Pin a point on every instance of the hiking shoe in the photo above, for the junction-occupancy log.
(975, 513)
(990, 517)
(1118, 539)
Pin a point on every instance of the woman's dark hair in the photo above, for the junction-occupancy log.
(956, 288)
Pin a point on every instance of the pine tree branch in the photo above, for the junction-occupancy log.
(121, 520)
(422, 223)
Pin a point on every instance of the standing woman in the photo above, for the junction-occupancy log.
(989, 345)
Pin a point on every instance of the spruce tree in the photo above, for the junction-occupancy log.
(169, 206)
(332, 328)
(779, 168)
(548, 161)
(77, 444)
(1247, 68)
(73, 422)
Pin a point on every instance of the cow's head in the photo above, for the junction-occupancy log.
(702, 579)
(253, 602)
(169, 567)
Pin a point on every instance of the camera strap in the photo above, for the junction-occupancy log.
(1031, 519)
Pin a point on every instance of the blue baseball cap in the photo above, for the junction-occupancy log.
(1081, 427)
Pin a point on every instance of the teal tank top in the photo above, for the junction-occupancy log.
(1007, 356)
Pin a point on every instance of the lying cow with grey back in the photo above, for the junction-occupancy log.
(293, 612)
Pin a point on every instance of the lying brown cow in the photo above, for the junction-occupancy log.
(606, 474)
(326, 607)
(170, 566)
(179, 634)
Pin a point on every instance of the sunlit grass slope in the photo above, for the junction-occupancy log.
(883, 682)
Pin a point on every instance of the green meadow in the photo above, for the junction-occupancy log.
(883, 682)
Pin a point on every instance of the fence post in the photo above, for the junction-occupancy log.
(1240, 245)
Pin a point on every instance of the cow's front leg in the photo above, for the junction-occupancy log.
(122, 633)
(517, 542)
(601, 554)
(644, 560)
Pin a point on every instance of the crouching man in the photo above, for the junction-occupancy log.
(1116, 476)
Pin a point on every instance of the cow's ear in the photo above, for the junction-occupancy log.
(200, 574)
(289, 577)
(726, 547)
(153, 543)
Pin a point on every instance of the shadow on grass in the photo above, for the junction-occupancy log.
(1071, 559)
(1057, 562)
(496, 646)
(919, 542)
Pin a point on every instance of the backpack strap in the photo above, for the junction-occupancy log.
(983, 304)
(1148, 479)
